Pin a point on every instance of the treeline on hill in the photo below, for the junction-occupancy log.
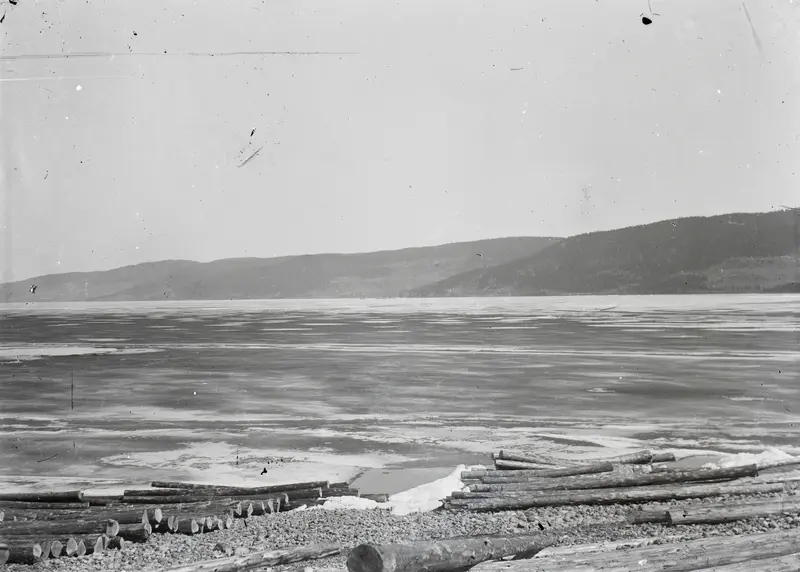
(756, 252)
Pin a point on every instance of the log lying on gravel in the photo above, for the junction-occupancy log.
(442, 555)
(524, 474)
(24, 554)
(103, 501)
(611, 496)
(4, 553)
(788, 563)
(50, 497)
(622, 480)
(58, 528)
(660, 515)
(259, 559)
(23, 505)
(116, 543)
(780, 463)
(134, 532)
(717, 515)
(123, 517)
(679, 557)
(253, 491)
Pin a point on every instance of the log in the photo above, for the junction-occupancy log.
(56, 548)
(135, 532)
(46, 546)
(48, 497)
(4, 553)
(116, 543)
(442, 555)
(677, 557)
(152, 492)
(633, 480)
(502, 465)
(781, 463)
(123, 517)
(239, 491)
(525, 458)
(188, 526)
(717, 515)
(258, 560)
(58, 528)
(71, 547)
(611, 496)
(103, 501)
(189, 499)
(81, 550)
(326, 493)
(663, 458)
(788, 563)
(95, 544)
(27, 554)
(660, 515)
(523, 475)
(22, 505)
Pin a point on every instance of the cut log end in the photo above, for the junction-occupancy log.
(364, 558)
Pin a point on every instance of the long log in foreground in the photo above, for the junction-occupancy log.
(678, 557)
(259, 559)
(630, 480)
(611, 496)
(223, 490)
(58, 528)
(442, 555)
(24, 505)
(717, 515)
(660, 515)
(60, 496)
(788, 563)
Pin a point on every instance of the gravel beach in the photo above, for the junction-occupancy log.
(572, 525)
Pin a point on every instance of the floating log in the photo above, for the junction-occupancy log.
(258, 560)
(5, 551)
(678, 557)
(58, 528)
(731, 513)
(134, 532)
(49, 497)
(503, 465)
(23, 505)
(526, 458)
(377, 497)
(442, 555)
(116, 543)
(27, 554)
(611, 496)
(632, 480)
(238, 491)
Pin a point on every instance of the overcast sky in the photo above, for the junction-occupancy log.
(452, 120)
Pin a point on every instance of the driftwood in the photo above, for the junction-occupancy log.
(58, 528)
(621, 480)
(24, 505)
(28, 554)
(717, 515)
(611, 496)
(253, 491)
(49, 497)
(677, 557)
(442, 555)
(259, 559)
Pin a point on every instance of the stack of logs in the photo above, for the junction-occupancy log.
(37, 526)
(522, 481)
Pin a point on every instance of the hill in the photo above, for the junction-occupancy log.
(726, 253)
(373, 275)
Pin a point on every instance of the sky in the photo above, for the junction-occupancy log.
(423, 122)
